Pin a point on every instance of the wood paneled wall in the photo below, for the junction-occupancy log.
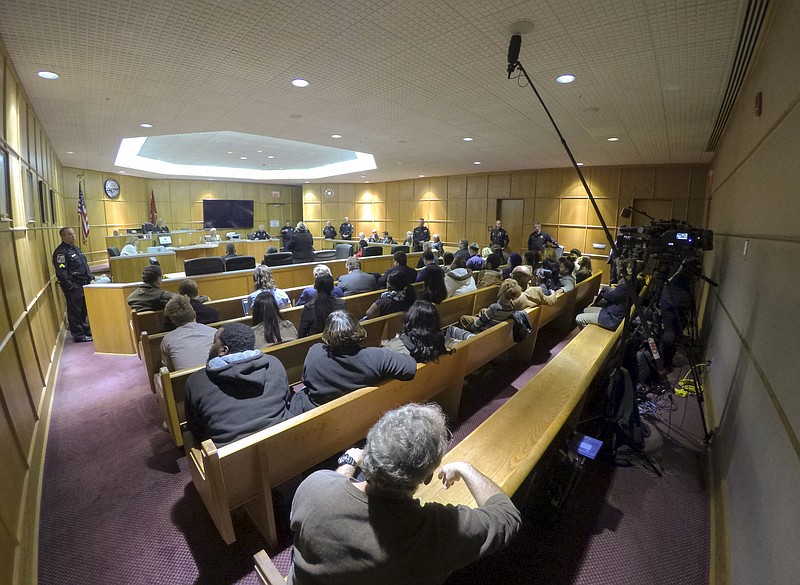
(463, 206)
(31, 320)
(179, 202)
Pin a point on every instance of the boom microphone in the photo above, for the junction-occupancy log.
(513, 53)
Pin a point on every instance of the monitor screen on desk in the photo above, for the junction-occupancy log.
(165, 240)
(134, 231)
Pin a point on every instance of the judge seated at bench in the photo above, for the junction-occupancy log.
(239, 392)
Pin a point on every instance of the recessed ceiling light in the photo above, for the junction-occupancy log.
(298, 82)
(47, 75)
(566, 78)
(363, 176)
(243, 157)
(579, 164)
(336, 135)
(229, 152)
(366, 181)
(259, 151)
(422, 176)
(477, 162)
(122, 172)
(468, 139)
(612, 139)
(270, 156)
(145, 125)
(70, 152)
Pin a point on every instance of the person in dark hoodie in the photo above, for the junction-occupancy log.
(239, 392)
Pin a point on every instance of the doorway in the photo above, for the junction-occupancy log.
(510, 211)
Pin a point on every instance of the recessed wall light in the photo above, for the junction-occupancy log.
(145, 125)
(566, 78)
(468, 139)
(336, 135)
(47, 74)
(70, 152)
(612, 139)
(477, 162)
(299, 82)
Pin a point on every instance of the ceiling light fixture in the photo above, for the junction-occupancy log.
(477, 162)
(270, 156)
(422, 176)
(299, 82)
(566, 78)
(47, 74)
(467, 139)
(259, 151)
(612, 139)
(145, 125)
(243, 157)
(336, 135)
(579, 164)
(70, 152)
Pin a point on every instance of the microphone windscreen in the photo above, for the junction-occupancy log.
(513, 49)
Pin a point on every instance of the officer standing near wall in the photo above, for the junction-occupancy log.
(72, 271)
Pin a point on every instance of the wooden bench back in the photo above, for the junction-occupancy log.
(508, 445)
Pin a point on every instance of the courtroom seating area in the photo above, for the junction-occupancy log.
(209, 265)
(239, 263)
(278, 259)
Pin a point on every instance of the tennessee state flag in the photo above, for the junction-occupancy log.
(153, 212)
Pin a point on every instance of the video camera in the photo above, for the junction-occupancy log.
(671, 239)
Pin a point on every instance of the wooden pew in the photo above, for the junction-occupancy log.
(244, 472)
(587, 291)
(225, 483)
(508, 445)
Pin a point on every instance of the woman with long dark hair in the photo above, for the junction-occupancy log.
(269, 326)
(399, 296)
(422, 337)
(316, 311)
(433, 288)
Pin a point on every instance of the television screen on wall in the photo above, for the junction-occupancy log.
(227, 213)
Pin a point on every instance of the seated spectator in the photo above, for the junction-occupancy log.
(565, 279)
(409, 241)
(316, 311)
(458, 279)
(150, 296)
(269, 326)
(491, 275)
(239, 392)
(400, 265)
(375, 531)
(340, 365)
(374, 238)
(386, 238)
(438, 245)
(463, 249)
(514, 260)
(497, 256)
(422, 337)
(433, 287)
(532, 296)
(205, 314)
(230, 251)
(264, 280)
(129, 249)
(547, 276)
(427, 259)
(260, 233)
(447, 260)
(485, 252)
(309, 292)
(611, 314)
(399, 296)
(188, 344)
(583, 269)
(301, 244)
(496, 312)
(272, 250)
(362, 245)
(356, 281)
(427, 247)
(533, 259)
(475, 261)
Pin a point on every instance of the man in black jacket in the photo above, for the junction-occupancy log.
(239, 392)
(346, 229)
(401, 266)
(329, 232)
(72, 271)
(499, 236)
(420, 234)
(539, 240)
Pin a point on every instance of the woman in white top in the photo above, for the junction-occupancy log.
(264, 281)
(269, 327)
(129, 249)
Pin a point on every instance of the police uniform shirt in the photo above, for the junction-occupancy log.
(72, 269)
(329, 232)
(499, 236)
(421, 234)
(346, 231)
(260, 235)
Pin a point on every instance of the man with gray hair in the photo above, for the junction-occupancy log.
(356, 281)
(310, 292)
(374, 531)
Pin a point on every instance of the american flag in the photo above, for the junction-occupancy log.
(153, 212)
(83, 213)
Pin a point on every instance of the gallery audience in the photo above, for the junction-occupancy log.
(409, 275)
(399, 296)
(433, 287)
(150, 296)
(316, 311)
(269, 326)
(263, 280)
(496, 312)
(458, 279)
(356, 281)
(309, 292)
(188, 344)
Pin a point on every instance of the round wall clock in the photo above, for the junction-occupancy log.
(111, 188)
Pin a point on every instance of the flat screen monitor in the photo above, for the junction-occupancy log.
(165, 240)
(134, 231)
(227, 213)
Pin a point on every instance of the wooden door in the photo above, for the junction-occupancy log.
(509, 211)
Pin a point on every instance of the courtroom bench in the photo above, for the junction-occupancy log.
(244, 472)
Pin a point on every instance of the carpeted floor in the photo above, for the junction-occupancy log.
(118, 505)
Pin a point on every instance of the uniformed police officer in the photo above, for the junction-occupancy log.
(420, 234)
(346, 229)
(72, 271)
(499, 236)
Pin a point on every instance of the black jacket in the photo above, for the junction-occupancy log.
(72, 269)
(329, 232)
(228, 401)
(302, 247)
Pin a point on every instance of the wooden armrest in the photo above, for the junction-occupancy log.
(267, 570)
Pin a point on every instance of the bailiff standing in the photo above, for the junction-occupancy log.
(72, 271)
